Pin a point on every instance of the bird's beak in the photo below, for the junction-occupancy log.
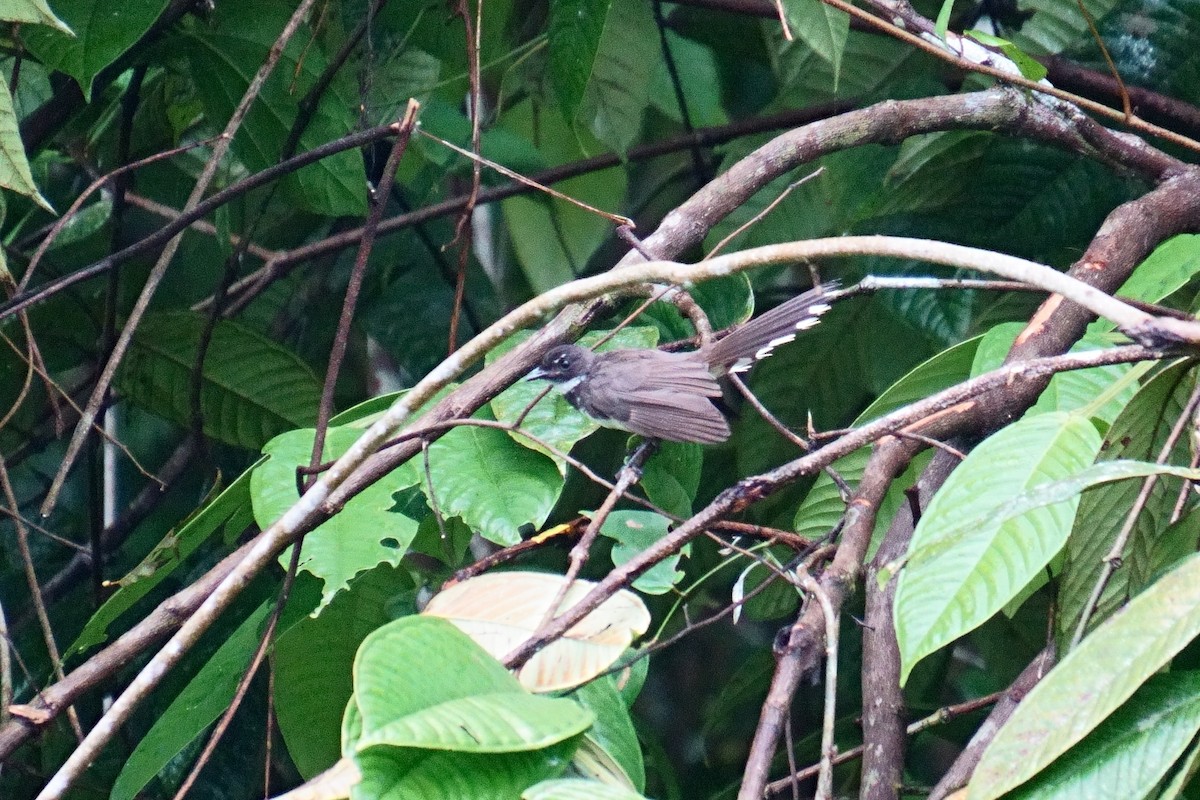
(536, 374)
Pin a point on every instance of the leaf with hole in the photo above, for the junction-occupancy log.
(366, 532)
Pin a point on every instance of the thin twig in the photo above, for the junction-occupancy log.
(35, 595)
(6, 673)
(940, 717)
(616, 219)
(750, 223)
(825, 775)
(630, 473)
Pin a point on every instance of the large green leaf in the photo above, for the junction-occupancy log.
(203, 700)
(1139, 432)
(251, 388)
(554, 239)
(366, 532)
(602, 58)
(229, 513)
(103, 31)
(493, 483)
(671, 476)
(577, 789)
(431, 660)
(409, 774)
(35, 11)
(497, 722)
(421, 666)
(821, 27)
(1169, 268)
(966, 560)
(225, 54)
(613, 733)
(1093, 681)
(14, 167)
(313, 664)
(1131, 751)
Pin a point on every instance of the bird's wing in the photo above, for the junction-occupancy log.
(628, 371)
(657, 394)
(677, 416)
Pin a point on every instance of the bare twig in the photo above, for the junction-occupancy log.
(825, 774)
(939, 717)
(35, 595)
(630, 473)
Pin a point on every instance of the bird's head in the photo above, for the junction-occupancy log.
(563, 363)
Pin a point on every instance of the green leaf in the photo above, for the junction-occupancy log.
(229, 512)
(1138, 433)
(577, 789)
(1169, 268)
(313, 661)
(14, 167)
(203, 700)
(251, 387)
(499, 722)
(967, 559)
(102, 32)
(553, 419)
(1031, 69)
(419, 663)
(494, 484)
(555, 239)
(602, 59)
(366, 532)
(671, 476)
(408, 774)
(1093, 681)
(821, 27)
(431, 660)
(35, 11)
(634, 531)
(225, 55)
(612, 733)
(1130, 752)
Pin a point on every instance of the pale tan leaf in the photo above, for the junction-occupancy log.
(501, 610)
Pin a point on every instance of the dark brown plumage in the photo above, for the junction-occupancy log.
(669, 395)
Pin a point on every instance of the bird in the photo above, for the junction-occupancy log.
(669, 395)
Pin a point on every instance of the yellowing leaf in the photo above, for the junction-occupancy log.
(501, 610)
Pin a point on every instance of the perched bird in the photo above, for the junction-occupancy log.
(669, 395)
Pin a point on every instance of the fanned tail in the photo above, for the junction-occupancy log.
(758, 337)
